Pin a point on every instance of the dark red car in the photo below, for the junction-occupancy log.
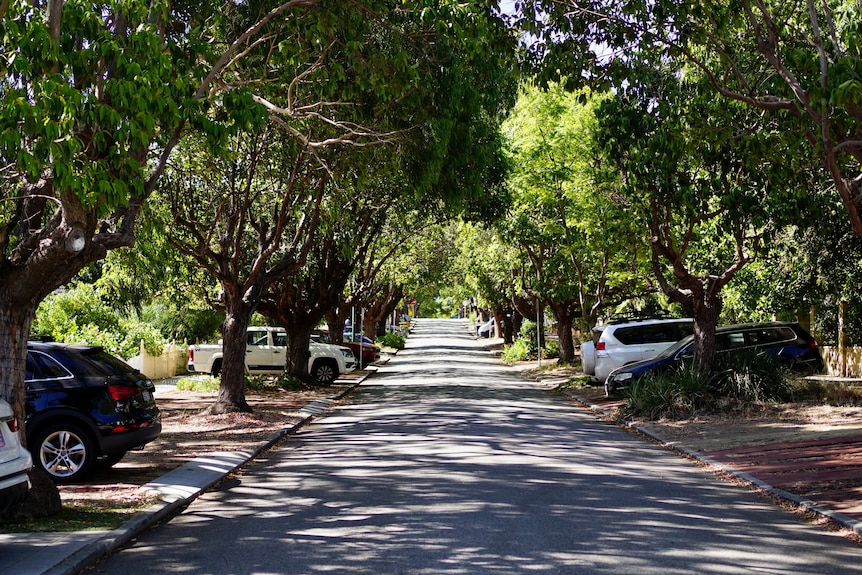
(370, 352)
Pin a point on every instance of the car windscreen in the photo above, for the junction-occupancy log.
(675, 348)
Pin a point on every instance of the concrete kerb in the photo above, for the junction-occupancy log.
(800, 503)
(180, 486)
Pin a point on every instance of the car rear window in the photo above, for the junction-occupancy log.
(655, 333)
(98, 362)
(753, 337)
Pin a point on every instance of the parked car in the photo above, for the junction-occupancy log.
(624, 341)
(487, 329)
(84, 407)
(370, 351)
(266, 348)
(788, 342)
(15, 461)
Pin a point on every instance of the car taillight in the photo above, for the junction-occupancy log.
(600, 346)
(191, 355)
(813, 344)
(13, 424)
(125, 428)
(118, 392)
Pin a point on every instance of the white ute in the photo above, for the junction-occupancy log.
(266, 348)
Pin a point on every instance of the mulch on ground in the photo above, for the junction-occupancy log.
(187, 433)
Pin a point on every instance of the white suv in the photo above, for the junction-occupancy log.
(15, 461)
(619, 343)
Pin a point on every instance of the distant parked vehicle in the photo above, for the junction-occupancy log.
(85, 407)
(15, 461)
(487, 329)
(370, 351)
(625, 341)
(787, 342)
(266, 348)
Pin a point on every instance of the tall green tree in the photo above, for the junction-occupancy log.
(489, 269)
(706, 177)
(583, 252)
(247, 216)
(797, 60)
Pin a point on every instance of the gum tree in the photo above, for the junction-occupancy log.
(707, 181)
(582, 251)
(799, 59)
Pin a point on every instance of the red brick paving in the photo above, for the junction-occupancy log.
(826, 471)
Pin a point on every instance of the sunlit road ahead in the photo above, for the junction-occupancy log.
(447, 462)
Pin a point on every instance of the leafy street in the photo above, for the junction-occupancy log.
(187, 433)
(446, 461)
(660, 200)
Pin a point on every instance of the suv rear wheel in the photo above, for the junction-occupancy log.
(65, 451)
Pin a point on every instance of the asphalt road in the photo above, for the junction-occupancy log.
(446, 462)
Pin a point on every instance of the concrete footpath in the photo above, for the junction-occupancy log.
(70, 553)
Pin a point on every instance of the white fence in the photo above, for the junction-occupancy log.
(170, 363)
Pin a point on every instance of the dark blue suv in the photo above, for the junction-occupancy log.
(788, 342)
(83, 407)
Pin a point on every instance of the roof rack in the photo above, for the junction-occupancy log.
(640, 317)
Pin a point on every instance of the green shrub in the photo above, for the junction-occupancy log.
(518, 351)
(528, 335)
(391, 340)
(551, 349)
(750, 377)
(737, 378)
(669, 394)
(198, 383)
(187, 324)
(78, 315)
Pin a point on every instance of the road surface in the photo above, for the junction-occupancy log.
(447, 462)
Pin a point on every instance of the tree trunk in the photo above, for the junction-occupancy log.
(13, 353)
(507, 327)
(231, 393)
(44, 497)
(296, 358)
(564, 318)
(335, 319)
(499, 320)
(517, 321)
(380, 309)
(706, 313)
